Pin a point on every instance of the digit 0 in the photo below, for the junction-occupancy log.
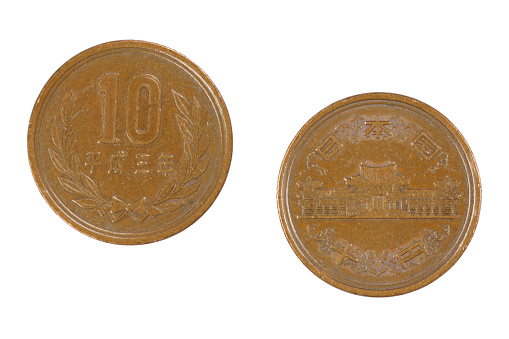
(134, 109)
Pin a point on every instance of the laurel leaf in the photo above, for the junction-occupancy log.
(87, 203)
(68, 137)
(185, 127)
(186, 191)
(203, 125)
(90, 184)
(57, 161)
(204, 141)
(70, 186)
(77, 120)
(74, 163)
(200, 168)
(182, 169)
(189, 149)
(66, 108)
(70, 144)
(56, 137)
(81, 98)
(182, 104)
(196, 112)
(167, 188)
(167, 206)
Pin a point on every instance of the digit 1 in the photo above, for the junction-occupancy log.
(108, 88)
(133, 109)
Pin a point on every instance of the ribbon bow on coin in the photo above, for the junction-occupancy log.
(136, 209)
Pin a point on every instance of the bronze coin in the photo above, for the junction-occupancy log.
(379, 194)
(129, 142)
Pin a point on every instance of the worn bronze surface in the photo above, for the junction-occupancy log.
(379, 194)
(130, 142)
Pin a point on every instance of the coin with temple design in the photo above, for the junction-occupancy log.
(130, 142)
(379, 194)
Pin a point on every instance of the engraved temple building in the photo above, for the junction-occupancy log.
(377, 192)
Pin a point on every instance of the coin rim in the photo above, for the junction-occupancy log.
(462, 243)
(227, 138)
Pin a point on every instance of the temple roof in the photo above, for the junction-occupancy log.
(377, 176)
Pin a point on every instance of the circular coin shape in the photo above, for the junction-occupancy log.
(379, 194)
(129, 142)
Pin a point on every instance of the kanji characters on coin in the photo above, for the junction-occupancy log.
(144, 163)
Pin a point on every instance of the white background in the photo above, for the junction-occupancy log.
(232, 274)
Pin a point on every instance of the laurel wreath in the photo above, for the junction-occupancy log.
(170, 197)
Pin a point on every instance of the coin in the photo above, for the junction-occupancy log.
(379, 194)
(129, 142)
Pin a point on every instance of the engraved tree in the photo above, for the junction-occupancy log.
(448, 187)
